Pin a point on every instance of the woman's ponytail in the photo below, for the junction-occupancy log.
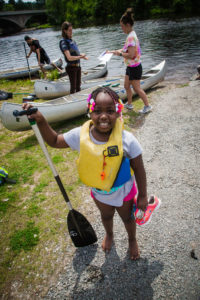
(128, 17)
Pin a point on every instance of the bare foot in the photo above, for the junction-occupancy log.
(133, 248)
(107, 242)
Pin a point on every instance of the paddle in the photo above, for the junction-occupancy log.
(27, 61)
(80, 230)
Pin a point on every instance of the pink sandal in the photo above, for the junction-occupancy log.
(144, 217)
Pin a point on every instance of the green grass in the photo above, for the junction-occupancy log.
(57, 159)
(33, 210)
(34, 236)
(25, 238)
(40, 187)
(51, 74)
(7, 200)
(17, 86)
(183, 85)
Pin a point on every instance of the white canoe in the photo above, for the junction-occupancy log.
(45, 89)
(74, 105)
(24, 72)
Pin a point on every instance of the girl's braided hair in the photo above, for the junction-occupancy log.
(128, 17)
(106, 90)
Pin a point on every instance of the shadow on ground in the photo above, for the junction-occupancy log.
(115, 279)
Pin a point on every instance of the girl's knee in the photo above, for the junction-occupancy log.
(107, 217)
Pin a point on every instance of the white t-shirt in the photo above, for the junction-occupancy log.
(131, 148)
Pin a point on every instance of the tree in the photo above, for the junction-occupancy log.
(56, 11)
(1, 4)
(99, 12)
(79, 13)
(40, 4)
(12, 2)
(20, 5)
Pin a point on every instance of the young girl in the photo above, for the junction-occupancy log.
(107, 155)
(131, 53)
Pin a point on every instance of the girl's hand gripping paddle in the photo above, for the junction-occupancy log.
(80, 230)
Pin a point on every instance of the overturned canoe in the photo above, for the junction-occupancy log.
(74, 105)
(45, 89)
(24, 72)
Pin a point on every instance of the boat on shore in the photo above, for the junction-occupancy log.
(70, 106)
(46, 89)
(24, 72)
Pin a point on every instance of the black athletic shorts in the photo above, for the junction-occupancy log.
(44, 59)
(134, 73)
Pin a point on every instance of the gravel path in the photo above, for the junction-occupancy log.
(171, 141)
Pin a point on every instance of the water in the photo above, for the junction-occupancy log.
(176, 41)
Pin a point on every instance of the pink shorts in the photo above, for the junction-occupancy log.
(132, 193)
(129, 197)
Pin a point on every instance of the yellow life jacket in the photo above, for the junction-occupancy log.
(98, 165)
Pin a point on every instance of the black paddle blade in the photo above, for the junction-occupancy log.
(80, 230)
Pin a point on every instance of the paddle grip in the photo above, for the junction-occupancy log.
(27, 112)
(62, 189)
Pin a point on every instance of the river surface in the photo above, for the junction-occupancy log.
(176, 41)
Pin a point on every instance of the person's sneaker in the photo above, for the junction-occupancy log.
(145, 109)
(144, 217)
(128, 106)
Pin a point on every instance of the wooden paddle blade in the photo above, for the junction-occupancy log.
(80, 230)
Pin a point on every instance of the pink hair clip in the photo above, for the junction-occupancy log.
(89, 97)
(119, 106)
(91, 103)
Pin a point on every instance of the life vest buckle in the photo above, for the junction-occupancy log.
(112, 151)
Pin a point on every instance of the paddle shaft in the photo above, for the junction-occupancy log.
(44, 149)
(27, 61)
